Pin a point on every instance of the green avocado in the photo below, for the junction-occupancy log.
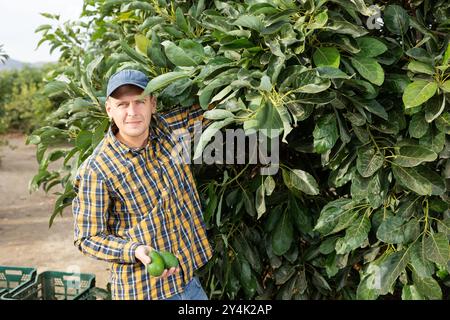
(156, 267)
(170, 261)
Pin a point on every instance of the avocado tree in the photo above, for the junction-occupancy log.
(359, 96)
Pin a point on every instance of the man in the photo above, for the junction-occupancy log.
(134, 197)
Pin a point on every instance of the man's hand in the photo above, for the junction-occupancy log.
(142, 253)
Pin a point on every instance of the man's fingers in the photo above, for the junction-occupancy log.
(169, 272)
(144, 259)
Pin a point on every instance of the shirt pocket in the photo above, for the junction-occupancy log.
(144, 231)
(135, 196)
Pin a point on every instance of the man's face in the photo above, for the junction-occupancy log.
(131, 112)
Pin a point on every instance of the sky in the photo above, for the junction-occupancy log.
(19, 19)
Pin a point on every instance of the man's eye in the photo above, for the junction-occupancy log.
(141, 101)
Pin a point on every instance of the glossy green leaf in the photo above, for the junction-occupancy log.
(419, 263)
(249, 21)
(142, 43)
(364, 291)
(376, 108)
(155, 52)
(283, 235)
(446, 86)
(369, 69)
(177, 55)
(392, 230)
(396, 19)
(272, 218)
(331, 73)
(218, 114)
(377, 189)
(369, 161)
(181, 20)
(331, 213)
(359, 187)
(55, 88)
(248, 281)
(327, 246)
(436, 248)
(84, 140)
(443, 123)
(355, 235)
(370, 47)
(411, 156)
(418, 126)
(325, 133)
(446, 57)
(164, 80)
(300, 215)
(433, 140)
(420, 67)
(419, 54)
(283, 274)
(427, 287)
(92, 66)
(444, 226)
(388, 270)
(260, 203)
(326, 56)
(418, 92)
(437, 182)
(410, 179)
(303, 181)
(340, 26)
(410, 292)
(319, 21)
(249, 203)
(269, 185)
(319, 281)
(434, 108)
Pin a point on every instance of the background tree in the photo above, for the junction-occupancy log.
(23, 107)
(359, 208)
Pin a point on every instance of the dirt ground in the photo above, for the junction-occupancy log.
(25, 238)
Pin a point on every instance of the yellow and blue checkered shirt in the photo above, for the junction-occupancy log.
(128, 197)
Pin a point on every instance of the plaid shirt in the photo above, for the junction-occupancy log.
(128, 197)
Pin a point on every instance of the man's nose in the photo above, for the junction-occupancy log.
(132, 109)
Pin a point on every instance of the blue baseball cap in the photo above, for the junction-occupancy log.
(126, 76)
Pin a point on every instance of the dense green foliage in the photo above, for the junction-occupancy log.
(23, 107)
(360, 207)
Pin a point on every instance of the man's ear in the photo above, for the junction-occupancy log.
(153, 103)
(108, 108)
